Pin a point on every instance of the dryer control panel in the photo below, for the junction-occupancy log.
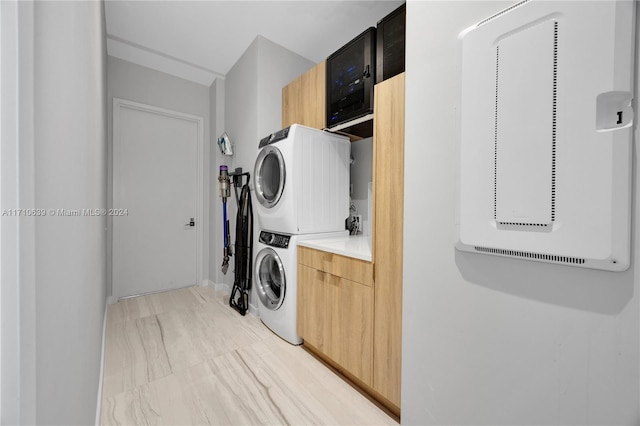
(274, 137)
(274, 240)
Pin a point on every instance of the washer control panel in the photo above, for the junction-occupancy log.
(274, 240)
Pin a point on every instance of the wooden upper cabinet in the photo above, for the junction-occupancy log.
(303, 100)
(388, 210)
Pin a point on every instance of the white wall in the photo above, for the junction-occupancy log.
(253, 109)
(490, 340)
(277, 67)
(241, 107)
(253, 95)
(133, 82)
(1, 168)
(53, 156)
(216, 236)
(240, 123)
(361, 174)
(70, 172)
(17, 267)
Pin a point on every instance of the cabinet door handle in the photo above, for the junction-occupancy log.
(366, 73)
(333, 280)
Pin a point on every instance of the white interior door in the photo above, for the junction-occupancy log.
(156, 213)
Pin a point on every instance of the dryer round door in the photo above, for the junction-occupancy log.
(270, 279)
(270, 174)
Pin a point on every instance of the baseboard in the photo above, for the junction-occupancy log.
(253, 310)
(225, 288)
(104, 338)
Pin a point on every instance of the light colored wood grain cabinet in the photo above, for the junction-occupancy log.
(347, 312)
(311, 306)
(388, 189)
(335, 313)
(350, 326)
(353, 269)
(303, 100)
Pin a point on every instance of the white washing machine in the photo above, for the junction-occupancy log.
(301, 179)
(275, 280)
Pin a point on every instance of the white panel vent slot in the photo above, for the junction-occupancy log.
(533, 256)
(502, 12)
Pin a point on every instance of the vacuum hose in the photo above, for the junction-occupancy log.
(225, 185)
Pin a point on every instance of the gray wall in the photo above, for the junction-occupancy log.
(253, 95)
(490, 340)
(216, 236)
(240, 123)
(241, 105)
(277, 67)
(253, 108)
(70, 172)
(17, 274)
(136, 83)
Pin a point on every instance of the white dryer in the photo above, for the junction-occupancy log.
(275, 280)
(301, 179)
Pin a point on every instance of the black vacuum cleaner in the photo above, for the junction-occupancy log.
(239, 299)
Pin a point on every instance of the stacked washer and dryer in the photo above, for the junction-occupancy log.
(301, 179)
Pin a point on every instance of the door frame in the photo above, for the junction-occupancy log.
(118, 104)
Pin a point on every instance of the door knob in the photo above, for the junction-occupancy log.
(192, 222)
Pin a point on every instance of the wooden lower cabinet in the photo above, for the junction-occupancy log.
(311, 306)
(335, 314)
(350, 326)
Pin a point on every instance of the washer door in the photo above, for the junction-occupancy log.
(269, 175)
(270, 279)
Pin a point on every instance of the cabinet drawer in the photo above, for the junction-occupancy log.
(352, 269)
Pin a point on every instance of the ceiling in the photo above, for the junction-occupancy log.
(202, 40)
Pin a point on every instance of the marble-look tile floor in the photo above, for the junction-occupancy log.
(185, 357)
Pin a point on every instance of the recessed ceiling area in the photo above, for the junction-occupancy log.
(202, 40)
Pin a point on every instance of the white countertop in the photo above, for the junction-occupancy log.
(356, 246)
